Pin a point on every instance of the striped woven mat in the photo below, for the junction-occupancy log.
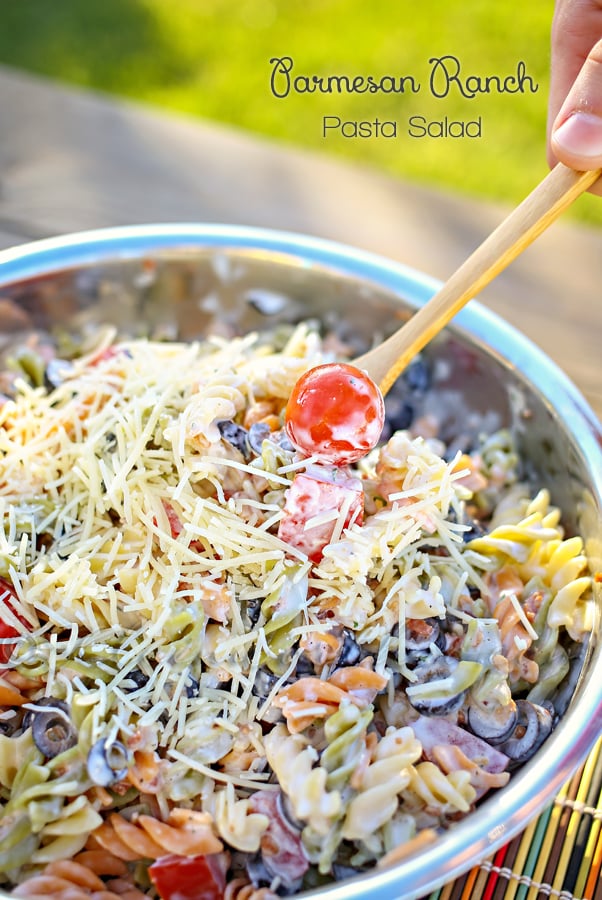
(559, 855)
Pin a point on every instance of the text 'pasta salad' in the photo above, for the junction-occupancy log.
(226, 664)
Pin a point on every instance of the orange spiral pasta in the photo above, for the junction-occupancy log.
(186, 833)
(79, 879)
(312, 698)
(145, 772)
(515, 637)
(242, 889)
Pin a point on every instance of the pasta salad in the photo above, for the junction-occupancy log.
(229, 669)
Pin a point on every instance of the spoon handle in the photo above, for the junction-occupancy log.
(519, 229)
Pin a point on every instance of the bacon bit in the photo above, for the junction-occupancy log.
(598, 577)
(532, 604)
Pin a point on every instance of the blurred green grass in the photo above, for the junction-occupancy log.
(210, 58)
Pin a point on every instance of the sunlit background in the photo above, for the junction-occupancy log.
(210, 58)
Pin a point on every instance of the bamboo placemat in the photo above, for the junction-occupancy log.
(559, 855)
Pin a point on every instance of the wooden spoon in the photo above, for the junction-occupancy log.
(525, 223)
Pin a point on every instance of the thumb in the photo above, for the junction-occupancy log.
(576, 134)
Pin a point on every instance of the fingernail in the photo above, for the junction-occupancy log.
(580, 135)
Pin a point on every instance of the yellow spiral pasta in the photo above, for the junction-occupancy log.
(387, 775)
(439, 792)
(236, 823)
(304, 782)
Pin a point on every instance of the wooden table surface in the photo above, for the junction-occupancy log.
(72, 160)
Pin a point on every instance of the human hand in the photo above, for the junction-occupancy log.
(575, 102)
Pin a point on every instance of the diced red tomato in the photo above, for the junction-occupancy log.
(336, 412)
(281, 846)
(190, 877)
(308, 497)
(108, 353)
(6, 630)
(175, 523)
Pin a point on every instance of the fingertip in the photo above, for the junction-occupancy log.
(577, 141)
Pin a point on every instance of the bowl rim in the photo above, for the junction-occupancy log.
(473, 838)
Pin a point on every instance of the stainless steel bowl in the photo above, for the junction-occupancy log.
(181, 281)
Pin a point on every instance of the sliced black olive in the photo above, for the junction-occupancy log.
(56, 372)
(133, 681)
(114, 516)
(258, 872)
(110, 441)
(192, 687)
(494, 725)
(107, 763)
(284, 807)
(417, 376)
(253, 609)
(258, 433)
(474, 530)
(52, 730)
(284, 442)
(234, 434)
(340, 872)
(399, 414)
(262, 873)
(350, 651)
(533, 725)
(545, 714)
(420, 638)
(264, 682)
(436, 669)
(304, 667)
(11, 722)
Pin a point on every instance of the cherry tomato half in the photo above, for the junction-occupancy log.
(335, 412)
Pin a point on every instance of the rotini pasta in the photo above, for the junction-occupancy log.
(226, 663)
(242, 889)
(77, 879)
(186, 832)
(387, 775)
